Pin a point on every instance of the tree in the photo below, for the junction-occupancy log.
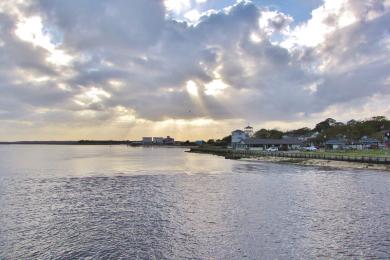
(299, 132)
(326, 124)
(210, 141)
(227, 139)
(262, 133)
(328, 129)
(269, 134)
(379, 118)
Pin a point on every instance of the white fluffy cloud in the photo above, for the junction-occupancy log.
(130, 65)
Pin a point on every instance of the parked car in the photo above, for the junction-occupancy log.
(272, 149)
(311, 148)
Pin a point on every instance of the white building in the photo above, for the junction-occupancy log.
(158, 140)
(248, 131)
(147, 140)
(169, 140)
(238, 136)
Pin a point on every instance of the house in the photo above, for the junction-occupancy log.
(308, 138)
(199, 142)
(147, 140)
(386, 137)
(237, 136)
(169, 140)
(369, 143)
(248, 131)
(262, 144)
(335, 144)
(158, 140)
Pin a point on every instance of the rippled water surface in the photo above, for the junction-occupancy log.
(99, 202)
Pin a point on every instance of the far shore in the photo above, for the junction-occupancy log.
(97, 143)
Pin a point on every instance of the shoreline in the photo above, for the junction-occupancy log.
(319, 163)
(302, 161)
(72, 143)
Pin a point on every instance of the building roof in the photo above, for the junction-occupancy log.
(238, 131)
(369, 140)
(335, 142)
(248, 127)
(286, 141)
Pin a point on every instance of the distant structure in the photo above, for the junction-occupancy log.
(169, 140)
(240, 135)
(147, 140)
(249, 131)
(158, 140)
(245, 140)
(261, 144)
(335, 144)
(199, 142)
(387, 139)
(369, 143)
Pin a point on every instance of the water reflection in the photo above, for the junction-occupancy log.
(110, 202)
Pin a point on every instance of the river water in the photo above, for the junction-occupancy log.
(102, 202)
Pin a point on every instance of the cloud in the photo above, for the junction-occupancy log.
(177, 6)
(91, 25)
(133, 65)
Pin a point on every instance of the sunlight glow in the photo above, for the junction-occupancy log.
(93, 95)
(192, 16)
(215, 87)
(184, 122)
(177, 6)
(32, 30)
(125, 115)
(192, 88)
(255, 38)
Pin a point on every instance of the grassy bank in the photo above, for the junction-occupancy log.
(322, 163)
(368, 159)
(369, 153)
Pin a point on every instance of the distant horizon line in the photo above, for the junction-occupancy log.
(73, 141)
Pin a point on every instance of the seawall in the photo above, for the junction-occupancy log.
(240, 154)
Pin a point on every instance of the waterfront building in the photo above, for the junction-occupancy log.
(249, 131)
(335, 144)
(158, 140)
(147, 140)
(260, 144)
(386, 138)
(200, 142)
(169, 140)
(237, 136)
(369, 143)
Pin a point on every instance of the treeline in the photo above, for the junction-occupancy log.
(102, 142)
(353, 129)
(328, 129)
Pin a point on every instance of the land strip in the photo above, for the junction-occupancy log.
(323, 159)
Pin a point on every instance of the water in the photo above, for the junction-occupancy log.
(101, 202)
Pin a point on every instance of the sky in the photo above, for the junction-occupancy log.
(191, 69)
